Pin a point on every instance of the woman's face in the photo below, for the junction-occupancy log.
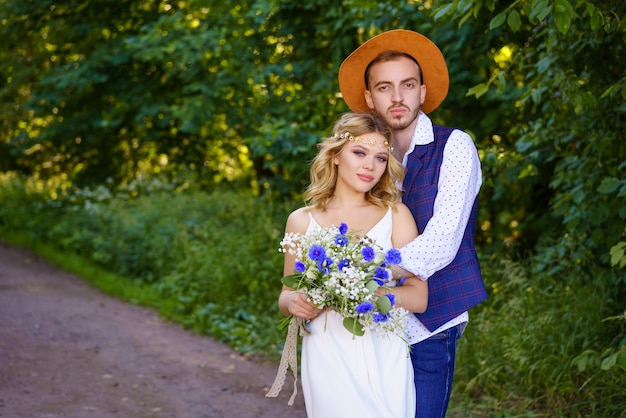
(362, 162)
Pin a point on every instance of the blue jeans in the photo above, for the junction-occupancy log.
(433, 364)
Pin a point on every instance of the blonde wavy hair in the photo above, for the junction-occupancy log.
(323, 175)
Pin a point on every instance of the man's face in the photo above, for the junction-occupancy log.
(396, 92)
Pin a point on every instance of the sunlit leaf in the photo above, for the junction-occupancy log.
(478, 90)
(444, 10)
(514, 20)
(563, 14)
(596, 20)
(609, 362)
(497, 21)
(618, 254)
(540, 9)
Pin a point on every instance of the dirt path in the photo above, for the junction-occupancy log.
(67, 350)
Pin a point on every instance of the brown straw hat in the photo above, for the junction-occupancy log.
(429, 57)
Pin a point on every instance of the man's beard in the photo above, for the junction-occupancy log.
(402, 123)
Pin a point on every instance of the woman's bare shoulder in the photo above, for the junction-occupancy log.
(298, 221)
(404, 228)
(402, 210)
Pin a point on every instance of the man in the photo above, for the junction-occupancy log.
(402, 75)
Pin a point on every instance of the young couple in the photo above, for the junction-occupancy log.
(393, 81)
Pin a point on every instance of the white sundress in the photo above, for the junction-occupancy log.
(346, 376)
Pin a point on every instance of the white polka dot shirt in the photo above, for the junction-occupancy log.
(460, 179)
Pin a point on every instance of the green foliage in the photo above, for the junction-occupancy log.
(214, 258)
(567, 163)
(537, 345)
(117, 90)
(558, 156)
(618, 255)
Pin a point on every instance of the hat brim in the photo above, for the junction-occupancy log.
(427, 54)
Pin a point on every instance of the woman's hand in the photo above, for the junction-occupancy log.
(297, 304)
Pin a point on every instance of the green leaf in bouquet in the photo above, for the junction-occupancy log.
(293, 281)
(383, 304)
(372, 286)
(354, 326)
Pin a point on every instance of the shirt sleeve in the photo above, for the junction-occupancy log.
(460, 179)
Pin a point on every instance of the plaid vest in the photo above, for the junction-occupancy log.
(459, 286)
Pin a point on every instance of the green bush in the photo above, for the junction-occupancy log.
(213, 257)
(523, 346)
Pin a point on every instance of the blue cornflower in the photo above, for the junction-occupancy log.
(368, 253)
(379, 282)
(343, 263)
(341, 240)
(299, 267)
(401, 281)
(317, 252)
(392, 298)
(379, 317)
(364, 307)
(393, 256)
(343, 228)
(324, 265)
(381, 273)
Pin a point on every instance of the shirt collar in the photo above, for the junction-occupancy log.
(422, 135)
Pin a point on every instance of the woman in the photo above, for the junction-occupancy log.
(354, 180)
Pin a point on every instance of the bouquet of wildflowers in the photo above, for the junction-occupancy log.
(343, 271)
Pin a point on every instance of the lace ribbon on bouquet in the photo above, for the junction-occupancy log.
(289, 358)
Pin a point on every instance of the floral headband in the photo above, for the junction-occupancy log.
(357, 139)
